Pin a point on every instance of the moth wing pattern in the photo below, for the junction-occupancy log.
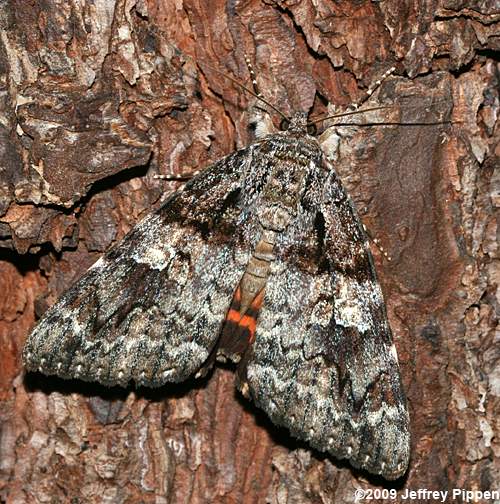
(270, 232)
(150, 309)
(323, 362)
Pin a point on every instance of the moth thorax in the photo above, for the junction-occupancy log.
(275, 217)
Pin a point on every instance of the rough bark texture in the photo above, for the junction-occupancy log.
(98, 96)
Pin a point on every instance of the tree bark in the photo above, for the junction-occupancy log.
(99, 96)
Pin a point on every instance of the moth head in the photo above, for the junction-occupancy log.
(297, 123)
(262, 123)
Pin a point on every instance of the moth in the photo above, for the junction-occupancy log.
(260, 259)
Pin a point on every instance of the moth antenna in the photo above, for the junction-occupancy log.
(238, 83)
(343, 114)
(385, 123)
(393, 123)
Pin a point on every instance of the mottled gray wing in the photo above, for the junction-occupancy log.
(323, 362)
(151, 309)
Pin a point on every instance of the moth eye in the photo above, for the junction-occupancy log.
(284, 124)
(311, 129)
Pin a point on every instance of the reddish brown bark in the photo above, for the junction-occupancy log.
(98, 96)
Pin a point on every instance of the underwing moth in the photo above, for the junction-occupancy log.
(261, 259)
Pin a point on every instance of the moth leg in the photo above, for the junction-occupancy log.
(373, 87)
(377, 244)
(177, 177)
(252, 75)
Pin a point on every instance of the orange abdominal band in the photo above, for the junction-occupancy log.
(247, 320)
